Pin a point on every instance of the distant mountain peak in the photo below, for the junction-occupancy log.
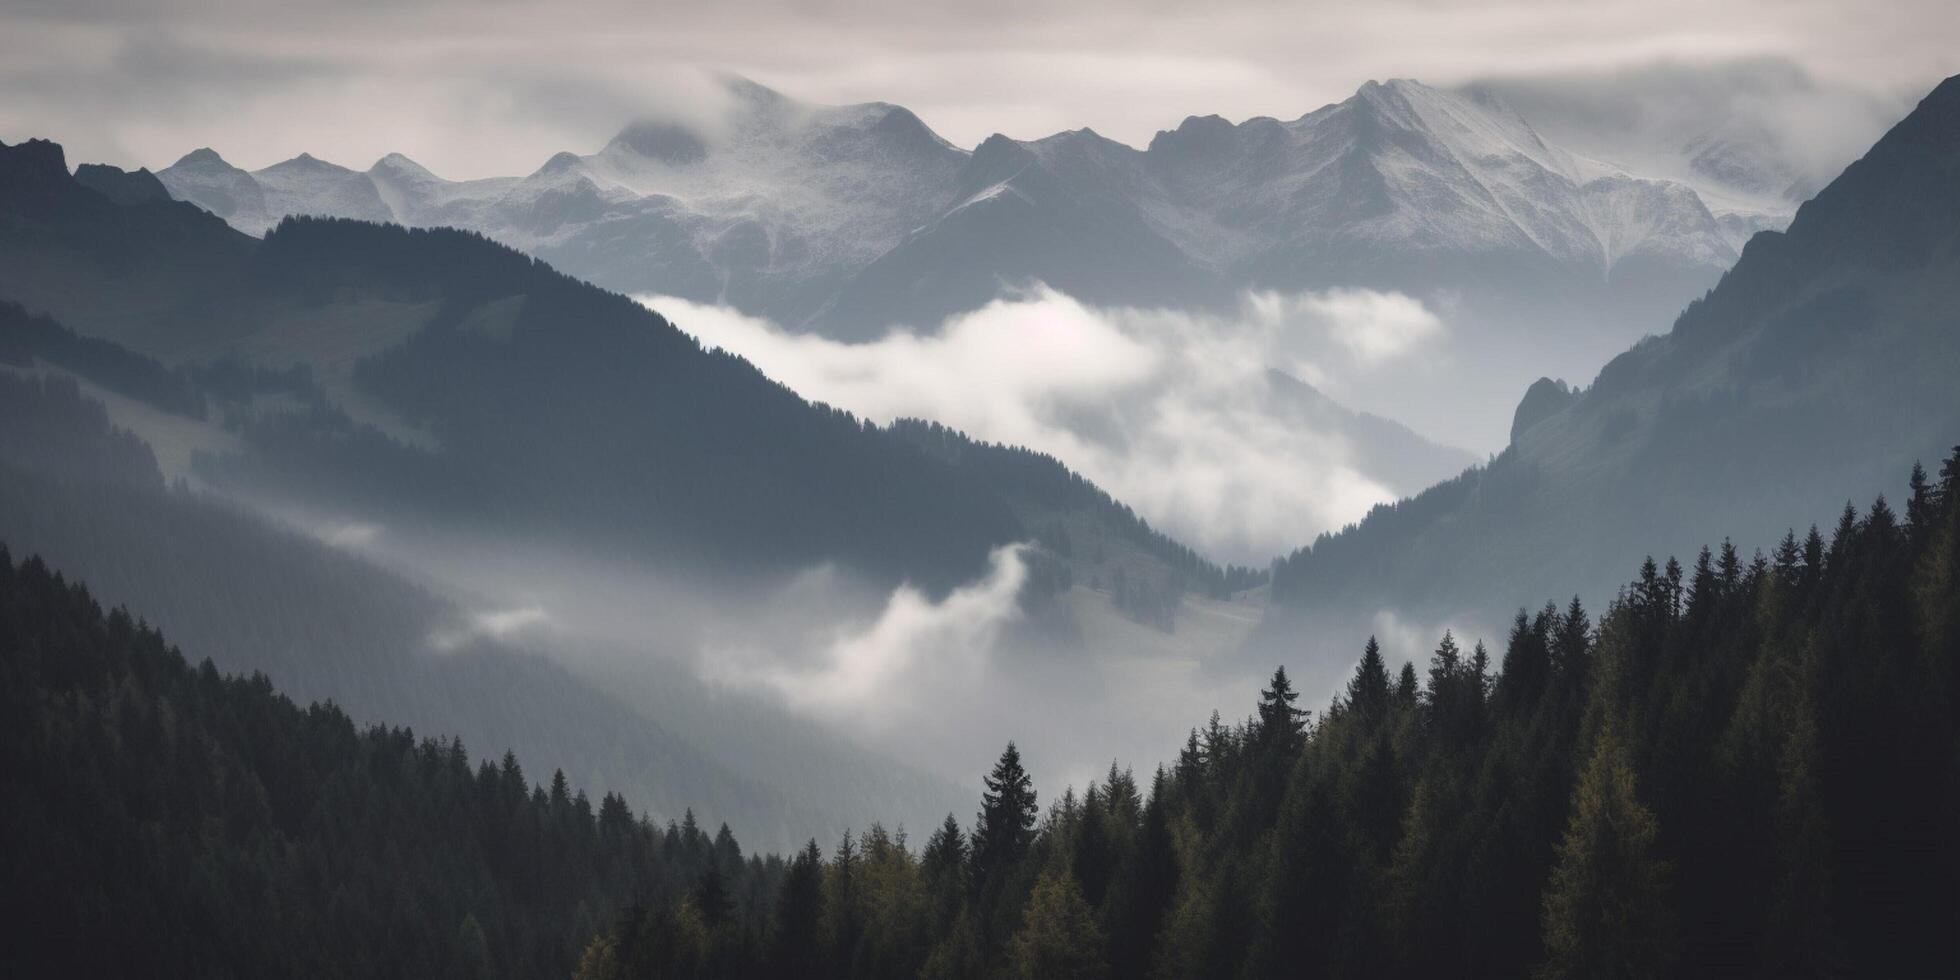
(1205, 125)
(203, 157)
(997, 158)
(902, 126)
(33, 161)
(400, 164)
(121, 186)
(1194, 138)
(305, 163)
(1546, 397)
(751, 91)
(561, 162)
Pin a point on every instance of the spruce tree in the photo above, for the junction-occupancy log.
(1367, 691)
(711, 898)
(797, 947)
(1406, 691)
(1146, 886)
(945, 852)
(1281, 725)
(1007, 816)
(1527, 667)
(1094, 858)
(1574, 640)
(1606, 910)
(1059, 938)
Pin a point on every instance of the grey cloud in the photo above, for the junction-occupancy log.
(1785, 114)
(433, 77)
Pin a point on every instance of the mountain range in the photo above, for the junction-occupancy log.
(803, 213)
(425, 385)
(1818, 371)
(850, 220)
(453, 428)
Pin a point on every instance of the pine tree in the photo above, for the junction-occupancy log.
(945, 852)
(943, 866)
(1220, 747)
(600, 960)
(1453, 704)
(1527, 666)
(843, 900)
(1606, 908)
(1444, 667)
(797, 949)
(1059, 939)
(727, 852)
(1367, 691)
(1281, 725)
(1802, 939)
(1007, 817)
(1479, 674)
(475, 946)
(1093, 859)
(1406, 692)
(1146, 886)
(1704, 588)
(1730, 567)
(711, 898)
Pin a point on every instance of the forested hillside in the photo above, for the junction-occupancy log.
(89, 498)
(435, 378)
(1747, 767)
(163, 820)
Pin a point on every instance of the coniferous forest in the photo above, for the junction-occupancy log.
(599, 490)
(1743, 767)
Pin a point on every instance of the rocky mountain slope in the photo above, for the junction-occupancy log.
(1818, 371)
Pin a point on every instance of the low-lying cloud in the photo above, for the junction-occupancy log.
(1373, 327)
(876, 676)
(1767, 118)
(491, 624)
(1180, 415)
(477, 89)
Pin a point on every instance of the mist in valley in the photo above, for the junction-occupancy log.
(1236, 434)
(936, 684)
(1171, 493)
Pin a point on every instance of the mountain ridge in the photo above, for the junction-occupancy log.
(852, 221)
(653, 158)
(1818, 369)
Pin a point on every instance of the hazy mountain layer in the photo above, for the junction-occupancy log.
(564, 473)
(1818, 371)
(92, 501)
(849, 220)
(856, 217)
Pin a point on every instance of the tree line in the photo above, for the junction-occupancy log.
(1746, 768)
(1743, 766)
(163, 820)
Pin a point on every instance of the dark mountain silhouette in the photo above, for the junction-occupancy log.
(122, 186)
(90, 499)
(115, 264)
(462, 382)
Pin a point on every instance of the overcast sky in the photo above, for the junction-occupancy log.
(483, 87)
